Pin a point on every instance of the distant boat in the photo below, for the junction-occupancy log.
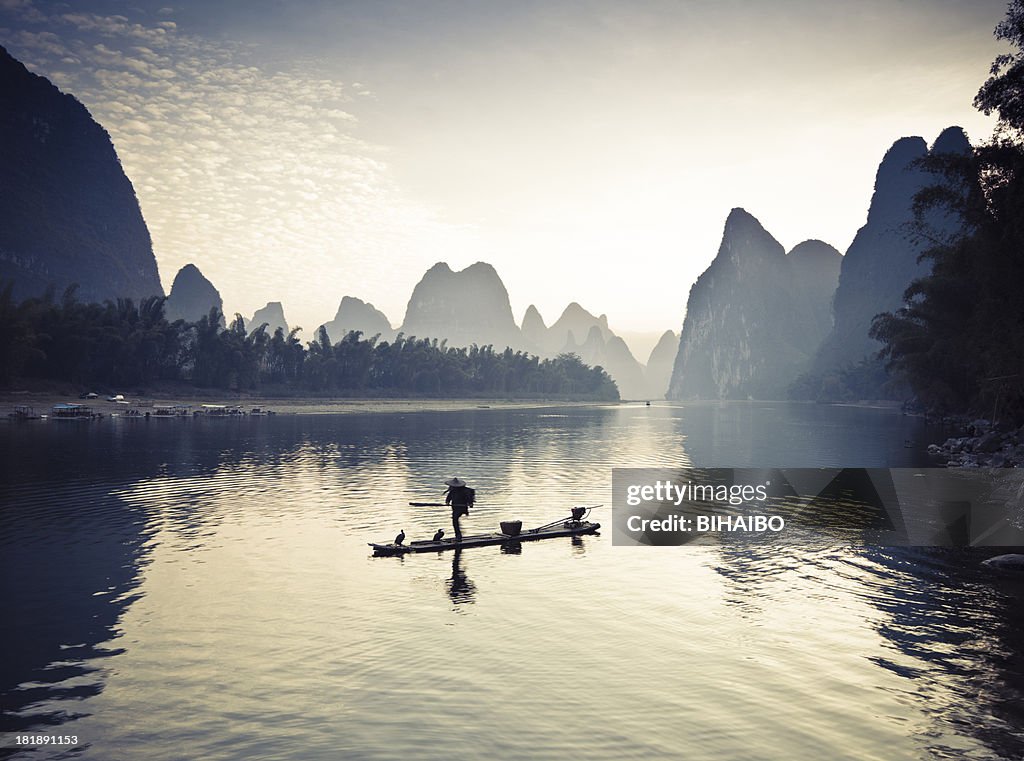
(130, 413)
(64, 411)
(220, 410)
(170, 410)
(23, 412)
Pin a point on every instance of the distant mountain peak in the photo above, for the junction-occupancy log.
(814, 250)
(951, 140)
(659, 364)
(753, 318)
(188, 275)
(898, 159)
(883, 259)
(744, 237)
(192, 296)
(470, 306)
(533, 314)
(272, 315)
(483, 267)
(739, 217)
(439, 268)
(533, 329)
(68, 212)
(355, 314)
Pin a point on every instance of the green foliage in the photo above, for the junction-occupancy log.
(122, 344)
(1003, 91)
(959, 338)
(866, 380)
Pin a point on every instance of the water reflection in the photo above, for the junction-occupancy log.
(799, 435)
(461, 589)
(956, 640)
(953, 632)
(64, 596)
(226, 562)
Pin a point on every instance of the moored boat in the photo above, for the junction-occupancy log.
(220, 410)
(170, 410)
(23, 412)
(65, 411)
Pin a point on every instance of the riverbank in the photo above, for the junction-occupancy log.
(42, 402)
(982, 446)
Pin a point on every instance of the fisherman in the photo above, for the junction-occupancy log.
(461, 498)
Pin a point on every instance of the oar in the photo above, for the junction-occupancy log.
(428, 504)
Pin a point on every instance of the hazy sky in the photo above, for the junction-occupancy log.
(590, 151)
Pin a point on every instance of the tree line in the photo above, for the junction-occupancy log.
(121, 344)
(958, 340)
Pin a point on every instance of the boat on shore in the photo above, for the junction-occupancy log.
(220, 410)
(171, 411)
(571, 526)
(66, 411)
(23, 412)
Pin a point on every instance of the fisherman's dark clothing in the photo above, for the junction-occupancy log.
(461, 499)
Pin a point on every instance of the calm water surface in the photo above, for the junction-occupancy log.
(203, 589)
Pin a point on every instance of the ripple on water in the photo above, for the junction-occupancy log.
(211, 589)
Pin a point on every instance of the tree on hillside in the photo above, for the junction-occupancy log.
(1003, 91)
(959, 339)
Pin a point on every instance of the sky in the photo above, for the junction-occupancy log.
(591, 151)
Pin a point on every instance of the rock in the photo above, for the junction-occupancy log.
(1012, 562)
(356, 314)
(577, 322)
(466, 307)
(755, 317)
(990, 442)
(614, 356)
(882, 260)
(192, 296)
(533, 329)
(273, 315)
(69, 214)
(658, 373)
(601, 346)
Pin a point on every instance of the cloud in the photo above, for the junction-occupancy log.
(23, 9)
(257, 176)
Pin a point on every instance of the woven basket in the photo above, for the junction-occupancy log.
(511, 528)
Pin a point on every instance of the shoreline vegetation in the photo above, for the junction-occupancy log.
(98, 348)
(958, 339)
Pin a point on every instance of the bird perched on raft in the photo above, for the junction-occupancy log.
(400, 538)
(439, 535)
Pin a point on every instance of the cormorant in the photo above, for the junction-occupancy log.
(400, 538)
(438, 535)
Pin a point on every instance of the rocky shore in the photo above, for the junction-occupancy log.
(982, 445)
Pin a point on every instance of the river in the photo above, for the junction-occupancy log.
(203, 588)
